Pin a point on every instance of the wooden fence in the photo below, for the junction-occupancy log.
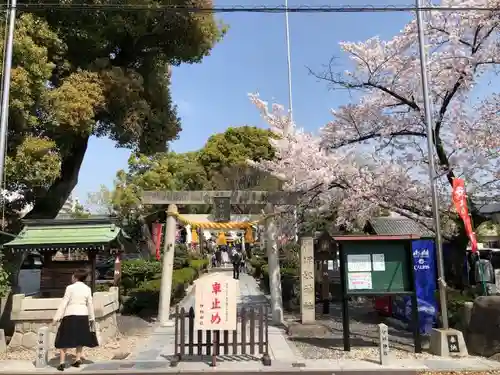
(250, 343)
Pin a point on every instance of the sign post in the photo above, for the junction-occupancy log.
(215, 307)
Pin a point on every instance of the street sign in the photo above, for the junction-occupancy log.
(222, 209)
(215, 303)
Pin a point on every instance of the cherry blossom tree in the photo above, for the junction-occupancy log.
(356, 184)
(373, 152)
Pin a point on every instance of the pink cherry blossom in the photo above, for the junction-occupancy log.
(373, 152)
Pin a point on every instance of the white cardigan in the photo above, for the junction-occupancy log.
(77, 300)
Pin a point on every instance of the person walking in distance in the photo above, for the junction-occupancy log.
(243, 261)
(236, 260)
(76, 314)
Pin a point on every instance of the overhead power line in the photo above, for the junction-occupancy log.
(240, 8)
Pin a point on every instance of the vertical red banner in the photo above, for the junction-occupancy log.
(157, 239)
(459, 197)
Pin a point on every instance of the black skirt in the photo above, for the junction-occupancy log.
(74, 331)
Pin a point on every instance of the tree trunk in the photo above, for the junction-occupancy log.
(48, 205)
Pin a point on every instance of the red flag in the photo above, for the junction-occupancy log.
(157, 238)
(459, 198)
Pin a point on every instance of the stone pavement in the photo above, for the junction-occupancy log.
(153, 357)
(160, 346)
(231, 364)
(236, 364)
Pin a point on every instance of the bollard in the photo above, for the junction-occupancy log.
(42, 347)
(383, 334)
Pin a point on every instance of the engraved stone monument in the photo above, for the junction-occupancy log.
(42, 347)
(383, 334)
(307, 295)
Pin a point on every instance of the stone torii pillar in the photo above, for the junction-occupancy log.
(167, 267)
(274, 267)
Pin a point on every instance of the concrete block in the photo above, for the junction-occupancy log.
(448, 343)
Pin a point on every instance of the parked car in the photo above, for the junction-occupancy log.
(105, 269)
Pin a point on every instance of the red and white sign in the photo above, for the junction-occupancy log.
(215, 303)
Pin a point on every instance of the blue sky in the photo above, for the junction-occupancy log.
(212, 96)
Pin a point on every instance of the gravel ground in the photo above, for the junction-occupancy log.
(364, 335)
(119, 346)
(134, 331)
(493, 372)
(320, 349)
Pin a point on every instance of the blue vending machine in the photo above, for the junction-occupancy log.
(424, 264)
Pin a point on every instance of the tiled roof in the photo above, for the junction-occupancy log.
(400, 226)
(491, 208)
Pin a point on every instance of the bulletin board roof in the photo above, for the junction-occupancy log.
(376, 238)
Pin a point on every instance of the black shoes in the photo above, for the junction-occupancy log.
(62, 366)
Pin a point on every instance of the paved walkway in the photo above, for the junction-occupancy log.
(236, 365)
(160, 346)
(154, 355)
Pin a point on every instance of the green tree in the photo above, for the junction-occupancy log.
(79, 212)
(88, 72)
(220, 165)
(234, 147)
(163, 172)
(101, 201)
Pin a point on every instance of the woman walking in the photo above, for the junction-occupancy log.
(76, 314)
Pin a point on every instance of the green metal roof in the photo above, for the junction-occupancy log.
(73, 235)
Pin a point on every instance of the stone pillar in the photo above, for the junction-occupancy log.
(189, 238)
(307, 295)
(274, 268)
(168, 267)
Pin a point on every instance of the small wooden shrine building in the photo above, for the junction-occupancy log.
(67, 245)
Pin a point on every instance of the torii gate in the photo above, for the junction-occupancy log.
(172, 198)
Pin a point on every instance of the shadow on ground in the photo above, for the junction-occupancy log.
(130, 325)
(70, 358)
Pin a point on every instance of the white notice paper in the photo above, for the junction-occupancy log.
(330, 265)
(359, 263)
(359, 280)
(378, 262)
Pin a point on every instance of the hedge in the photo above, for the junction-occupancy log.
(145, 294)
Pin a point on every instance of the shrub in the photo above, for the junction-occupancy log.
(289, 281)
(289, 255)
(137, 271)
(5, 286)
(257, 264)
(456, 301)
(104, 287)
(146, 296)
(199, 265)
(181, 257)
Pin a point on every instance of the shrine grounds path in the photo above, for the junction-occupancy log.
(153, 356)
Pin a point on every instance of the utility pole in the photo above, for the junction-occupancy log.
(4, 117)
(290, 99)
(432, 168)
